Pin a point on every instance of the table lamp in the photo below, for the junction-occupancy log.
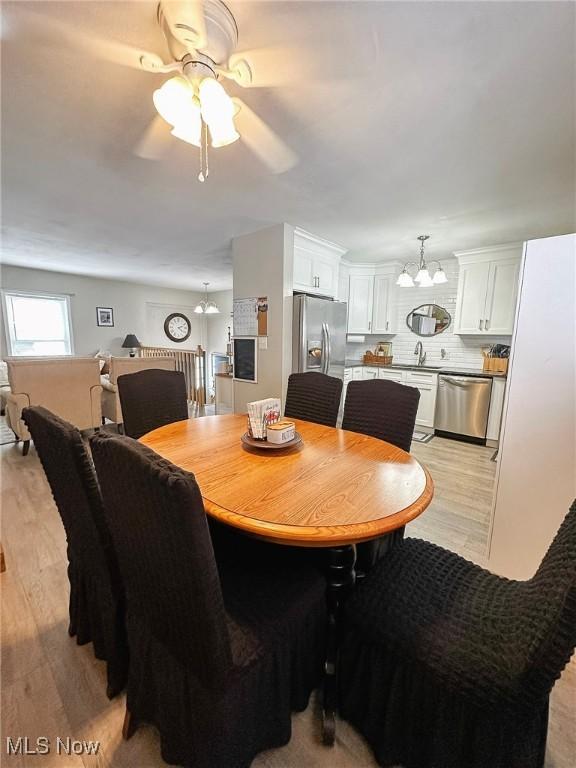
(131, 343)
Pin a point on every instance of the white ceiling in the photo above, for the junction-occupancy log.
(454, 119)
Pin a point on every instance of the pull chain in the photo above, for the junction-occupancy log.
(204, 170)
(201, 176)
(206, 149)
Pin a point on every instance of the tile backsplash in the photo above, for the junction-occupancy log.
(460, 350)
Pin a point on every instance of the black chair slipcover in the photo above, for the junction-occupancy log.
(386, 410)
(220, 654)
(151, 399)
(313, 397)
(447, 665)
(382, 409)
(96, 595)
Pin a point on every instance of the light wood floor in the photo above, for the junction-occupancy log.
(459, 516)
(52, 687)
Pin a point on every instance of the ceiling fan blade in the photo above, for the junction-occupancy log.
(42, 29)
(263, 67)
(155, 141)
(262, 140)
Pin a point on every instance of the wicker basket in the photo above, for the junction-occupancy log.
(370, 359)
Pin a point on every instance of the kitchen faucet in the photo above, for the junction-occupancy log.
(420, 352)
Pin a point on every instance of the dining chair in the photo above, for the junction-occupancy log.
(383, 409)
(96, 605)
(151, 399)
(313, 397)
(446, 664)
(219, 655)
(386, 410)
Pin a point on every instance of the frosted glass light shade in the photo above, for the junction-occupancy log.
(425, 280)
(212, 309)
(217, 112)
(404, 280)
(439, 277)
(174, 101)
(191, 133)
(199, 309)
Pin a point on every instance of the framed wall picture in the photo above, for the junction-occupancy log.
(245, 361)
(105, 317)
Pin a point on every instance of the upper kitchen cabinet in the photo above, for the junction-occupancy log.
(360, 299)
(487, 290)
(371, 298)
(384, 305)
(316, 264)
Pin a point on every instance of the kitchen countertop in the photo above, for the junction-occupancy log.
(448, 369)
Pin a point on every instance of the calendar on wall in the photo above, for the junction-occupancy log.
(251, 316)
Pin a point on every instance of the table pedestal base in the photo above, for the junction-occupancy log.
(341, 579)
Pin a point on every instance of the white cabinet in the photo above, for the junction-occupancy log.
(316, 264)
(496, 406)
(369, 373)
(382, 320)
(427, 385)
(371, 298)
(360, 303)
(501, 296)
(392, 375)
(358, 373)
(487, 291)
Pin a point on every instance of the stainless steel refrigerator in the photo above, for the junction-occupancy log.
(319, 335)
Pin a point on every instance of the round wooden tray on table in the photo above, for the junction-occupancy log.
(265, 445)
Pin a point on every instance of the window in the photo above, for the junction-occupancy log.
(38, 324)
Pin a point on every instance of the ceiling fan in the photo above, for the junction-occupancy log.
(192, 104)
(202, 36)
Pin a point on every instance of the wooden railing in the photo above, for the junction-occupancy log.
(192, 363)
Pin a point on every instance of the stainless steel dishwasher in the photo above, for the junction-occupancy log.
(462, 406)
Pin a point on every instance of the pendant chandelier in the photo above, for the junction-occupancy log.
(206, 307)
(422, 278)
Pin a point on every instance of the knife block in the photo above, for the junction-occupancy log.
(495, 364)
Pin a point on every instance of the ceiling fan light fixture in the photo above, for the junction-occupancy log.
(217, 112)
(174, 101)
(191, 133)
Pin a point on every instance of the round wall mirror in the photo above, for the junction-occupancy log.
(428, 320)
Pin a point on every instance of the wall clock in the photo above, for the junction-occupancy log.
(177, 327)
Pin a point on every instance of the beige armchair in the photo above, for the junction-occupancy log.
(119, 366)
(67, 386)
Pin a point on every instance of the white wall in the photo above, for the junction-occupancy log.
(463, 351)
(263, 266)
(536, 480)
(139, 309)
(217, 325)
(217, 330)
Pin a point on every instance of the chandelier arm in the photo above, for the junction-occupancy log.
(410, 264)
(435, 261)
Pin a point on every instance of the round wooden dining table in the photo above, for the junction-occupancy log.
(336, 489)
